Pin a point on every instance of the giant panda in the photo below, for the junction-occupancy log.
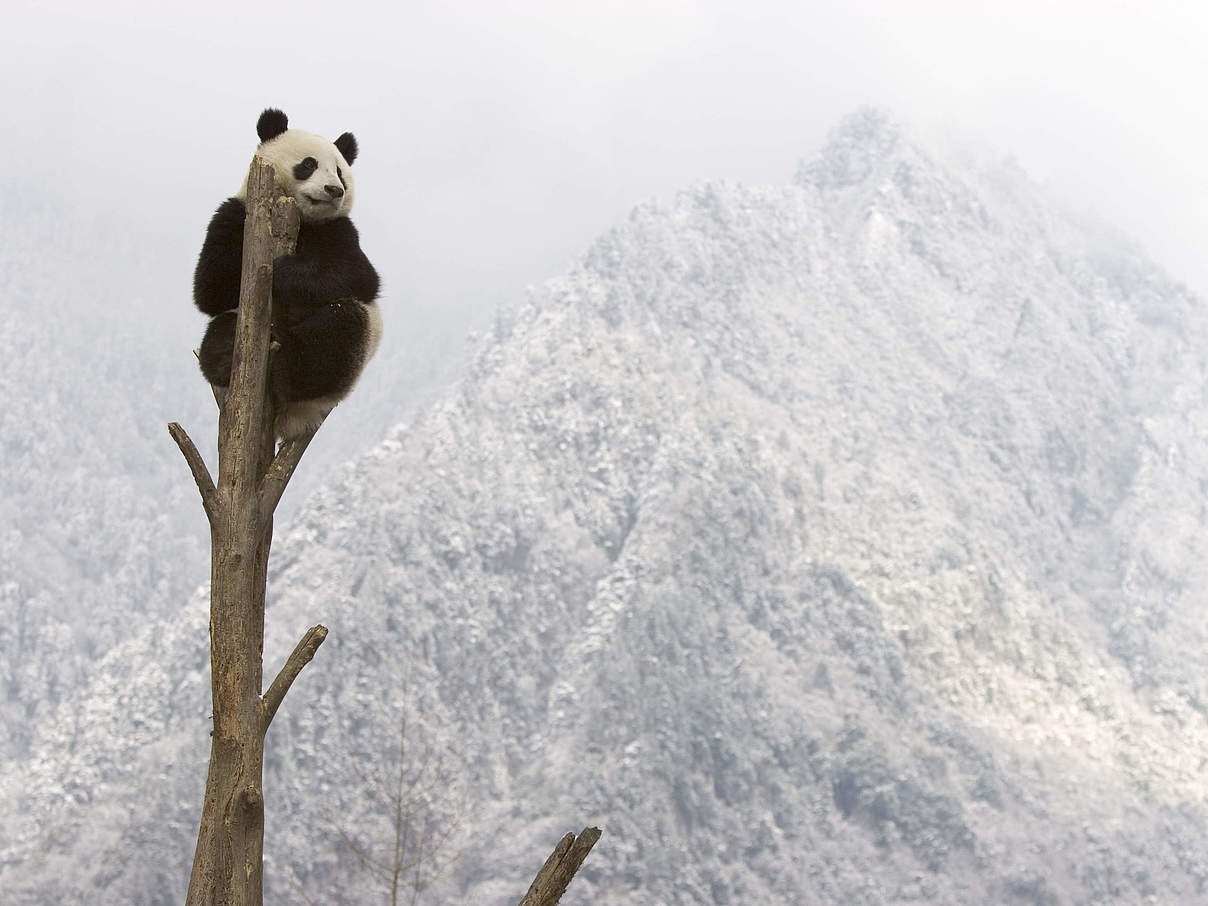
(326, 319)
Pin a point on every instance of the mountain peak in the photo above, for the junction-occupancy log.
(863, 142)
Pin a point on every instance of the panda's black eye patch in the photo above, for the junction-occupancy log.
(340, 173)
(306, 168)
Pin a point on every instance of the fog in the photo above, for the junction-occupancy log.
(498, 138)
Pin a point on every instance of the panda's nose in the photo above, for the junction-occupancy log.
(335, 191)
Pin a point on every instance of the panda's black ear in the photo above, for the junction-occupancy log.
(271, 124)
(348, 146)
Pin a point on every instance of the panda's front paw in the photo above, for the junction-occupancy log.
(280, 383)
(285, 268)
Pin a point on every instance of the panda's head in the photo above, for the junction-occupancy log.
(315, 172)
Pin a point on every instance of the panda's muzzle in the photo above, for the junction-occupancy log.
(334, 194)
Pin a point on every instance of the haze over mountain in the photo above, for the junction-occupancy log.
(833, 542)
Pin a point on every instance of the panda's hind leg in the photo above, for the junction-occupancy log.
(321, 354)
(217, 349)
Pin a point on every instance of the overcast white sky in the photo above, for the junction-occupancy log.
(498, 138)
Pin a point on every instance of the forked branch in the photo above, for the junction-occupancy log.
(301, 656)
(272, 486)
(552, 880)
(197, 465)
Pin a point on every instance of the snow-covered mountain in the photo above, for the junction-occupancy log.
(837, 542)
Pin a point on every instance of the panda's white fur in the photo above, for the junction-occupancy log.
(285, 150)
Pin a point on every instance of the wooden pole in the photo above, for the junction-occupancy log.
(227, 864)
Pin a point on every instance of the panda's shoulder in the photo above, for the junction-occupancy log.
(226, 226)
(231, 212)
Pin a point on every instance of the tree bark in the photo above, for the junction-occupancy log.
(227, 865)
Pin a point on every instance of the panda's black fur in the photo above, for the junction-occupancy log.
(326, 317)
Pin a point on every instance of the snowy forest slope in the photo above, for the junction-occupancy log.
(836, 542)
(95, 532)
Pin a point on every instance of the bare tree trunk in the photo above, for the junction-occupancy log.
(228, 859)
